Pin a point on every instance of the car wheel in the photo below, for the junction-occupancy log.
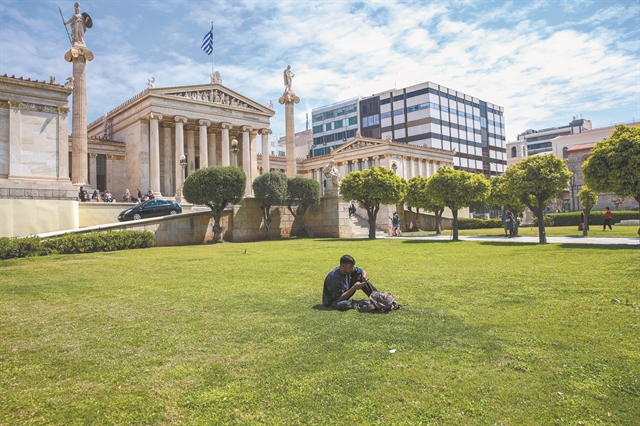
(172, 212)
(137, 216)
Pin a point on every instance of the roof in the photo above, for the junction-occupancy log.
(582, 147)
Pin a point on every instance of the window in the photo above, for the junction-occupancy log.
(371, 121)
(337, 124)
(328, 126)
(327, 115)
(514, 152)
(317, 129)
(317, 117)
(565, 154)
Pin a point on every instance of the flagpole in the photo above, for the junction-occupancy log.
(212, 53)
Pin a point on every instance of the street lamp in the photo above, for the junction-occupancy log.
(183, 163)
(234, 149)
(394, 166)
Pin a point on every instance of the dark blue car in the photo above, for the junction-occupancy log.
(151, 208)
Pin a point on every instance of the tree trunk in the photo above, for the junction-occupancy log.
(438, 214)
(542, 235)
(455, 224)
(217, 229)
(585, 223)
(516, 226)
(372, 214)
(266, 215)
(297, 216)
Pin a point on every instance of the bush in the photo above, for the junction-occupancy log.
(548, 220)
(596, 217)
(464, 223)
(75, 243)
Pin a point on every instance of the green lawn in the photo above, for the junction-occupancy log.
(489, 333)
(553, 231)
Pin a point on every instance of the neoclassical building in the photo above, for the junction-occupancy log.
(159, 125)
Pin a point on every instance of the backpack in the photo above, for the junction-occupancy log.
(379, 301)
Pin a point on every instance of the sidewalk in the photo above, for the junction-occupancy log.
(531, 240)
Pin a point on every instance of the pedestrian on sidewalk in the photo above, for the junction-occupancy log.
(608, 215)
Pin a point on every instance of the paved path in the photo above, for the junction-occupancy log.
(532, 240)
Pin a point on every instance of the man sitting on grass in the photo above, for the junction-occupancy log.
(343, 282)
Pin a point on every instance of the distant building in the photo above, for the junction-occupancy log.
(427, 115)
(303, 144)
(532, 142)
(334, 125)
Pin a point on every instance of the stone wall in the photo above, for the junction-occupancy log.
(28, 217)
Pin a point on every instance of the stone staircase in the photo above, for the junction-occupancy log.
(360, 228)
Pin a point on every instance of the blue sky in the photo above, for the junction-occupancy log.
(543, 61)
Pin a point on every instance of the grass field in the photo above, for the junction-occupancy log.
(553, 231)
(489, 333)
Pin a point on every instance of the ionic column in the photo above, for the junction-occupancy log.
(253, 143)
(191, 150)
(109, 171)
(364, 163)
(79, 55)
(246, 158)
(288, 99)
(265, 150)
(154, 153)
(374, 161)
(203, 141)
(93, 179)
(166, 163)
(180, 122)
(421, 167)
(213, 161)
(225, 154)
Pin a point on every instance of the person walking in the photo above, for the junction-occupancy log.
(395, 222)
(608, 215)
(511, 224)
(505, 216)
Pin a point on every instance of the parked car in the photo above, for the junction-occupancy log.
(150, 208)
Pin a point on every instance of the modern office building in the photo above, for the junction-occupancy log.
(334, 125)
(532, 142)
(427, 115)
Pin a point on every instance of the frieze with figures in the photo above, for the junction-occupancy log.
(359, 144)
(214, 97)
(27, 106)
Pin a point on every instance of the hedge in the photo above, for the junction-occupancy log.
(75, 243)
(464, 223)
(596, 217)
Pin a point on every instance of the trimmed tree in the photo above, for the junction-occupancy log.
(270, 189)
(303, 193)
(422, 196)
(371, 188)
(536, 180)
(500, 197)
(415, 196)
(457, 189)
(614, 164)
(588, 199)
(215, 187)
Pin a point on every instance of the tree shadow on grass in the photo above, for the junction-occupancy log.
(565, 246)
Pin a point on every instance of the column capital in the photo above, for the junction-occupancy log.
(204, 122)
(375, 157)
(265, 131)
(109, 156)
(246, 128)
(93, 154)
(227, 126)
(154, 116)
(180, 119)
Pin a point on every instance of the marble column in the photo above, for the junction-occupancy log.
(191, 149)
(180, 122)
(253, 143)
(79, 55)
(167, 145)
(154, 153)
(93, 178)
(265, 150)
(365, 164)
(246, 157)
(374, 161)
(288, 99)
(109, 171)
(213, 148)
(225, 159)
(204, 142)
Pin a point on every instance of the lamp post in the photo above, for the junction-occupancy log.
(183, 163)
(234, 149)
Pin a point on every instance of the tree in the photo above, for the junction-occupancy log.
(270, 189)
(216, 188)
(420, 194)
(614, 164)
(304, 193)
(457, 189)
(500, 197)
(415, 195)
(371, 188)
(536, 180)
(588, 199)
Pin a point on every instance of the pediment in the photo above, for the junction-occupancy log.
(212, 94)
(361, 143)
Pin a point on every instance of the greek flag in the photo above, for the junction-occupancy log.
(207, 42)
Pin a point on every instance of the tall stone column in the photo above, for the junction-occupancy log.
(154, 154)
(79, 55)
(254, 155)
(287, 99)
(93, 178)
(109, 171)
(167, 145)
(265, 150)
(203, 143)
(213, 148)
(180, 122)
(246, 157)
(225, 154)
(191, 149)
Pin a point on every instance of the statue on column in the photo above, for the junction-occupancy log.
(79, 23)
(332, 178)
(288, 79)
